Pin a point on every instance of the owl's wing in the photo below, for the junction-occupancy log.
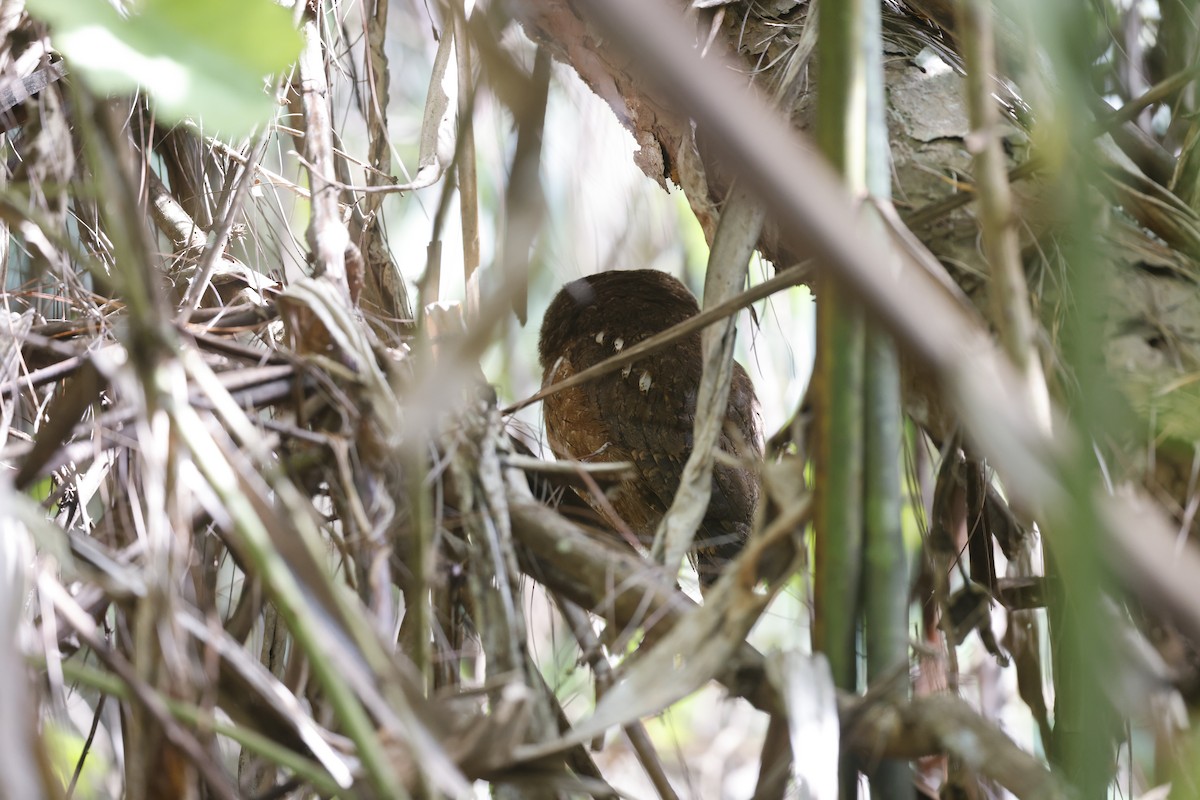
(734, 489)
(578, 426)
(645, 415)
(574, 425)
(649, 409)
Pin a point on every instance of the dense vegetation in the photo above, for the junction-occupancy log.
(275, 515)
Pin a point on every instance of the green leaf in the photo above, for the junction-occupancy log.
(65, 747)
(204, 59)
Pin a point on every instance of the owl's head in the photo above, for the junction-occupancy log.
(627, 300)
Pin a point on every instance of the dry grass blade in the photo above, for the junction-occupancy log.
(737, 234)
(63, 413)
(437, 139)
(327, 232)
(264, 701)
(13, 330)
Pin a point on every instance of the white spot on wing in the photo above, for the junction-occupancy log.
(625, 370)
(600, 337)
(618, 343)
(644, 382)
(559, 371)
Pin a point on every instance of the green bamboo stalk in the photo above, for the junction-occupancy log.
(838, 378)
(1084, 724)
(885, 568)
(838, 516)
(1008, 293)
(838, 387)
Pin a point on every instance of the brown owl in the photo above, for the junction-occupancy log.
(644, 412)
